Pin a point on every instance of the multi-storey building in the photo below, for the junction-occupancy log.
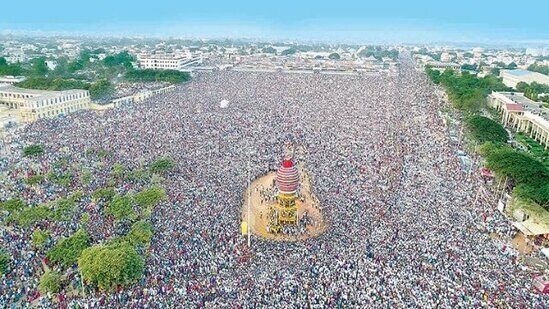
(166, 61)
(32, 104)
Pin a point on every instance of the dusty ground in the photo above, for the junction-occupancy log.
(259, 208)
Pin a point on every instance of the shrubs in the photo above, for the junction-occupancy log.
(50, 282)
(120, 208)
(108, 266)
(487, 130)
(67, 250)
(148, 198)
(40, 238)
(30, 215)
(162, 165)
(4, 261)
(140, 234)
(33, 150)
(150, 75)
(34, 180)
(105, 194)
(13, 205)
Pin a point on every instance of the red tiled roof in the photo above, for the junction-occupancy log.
(514, 107)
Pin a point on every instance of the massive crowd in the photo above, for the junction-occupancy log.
(402, 225)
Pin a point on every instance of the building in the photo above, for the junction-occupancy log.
(512, 77)
(166, 61)
(522, 114)
(8, 79)
(32, 104)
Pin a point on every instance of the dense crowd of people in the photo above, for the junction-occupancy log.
(402, 223)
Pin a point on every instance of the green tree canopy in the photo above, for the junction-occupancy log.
(268, 50)
(140, 234)
(101, 89)
(120, 208)
(50, 282)
(67, 250)
(30, 215)
(123, 58)
(517, 165)
(543, 69)
(105, 194)
(39, 66)
(32, 150)
(4, 261)
(289, 51)
(162, 165)
(10, 69)
(150, 75)
(487, 130)
(40, 238)
(108, 266)
(13, 205)
(334, 56)
(466, 91)
(148, 198)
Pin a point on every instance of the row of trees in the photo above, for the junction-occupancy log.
(379, 53)
(533, 91)
(543, 69)
(467, 92)
(150, 75)
(530, 177)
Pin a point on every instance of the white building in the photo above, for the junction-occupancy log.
(8, 79)
(512, 77)
(166, 61)
(32, 104)
(522, 114)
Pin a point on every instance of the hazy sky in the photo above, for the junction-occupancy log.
(338, 20)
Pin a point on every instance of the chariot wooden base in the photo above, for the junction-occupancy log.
(261, 207)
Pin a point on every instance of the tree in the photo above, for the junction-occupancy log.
(268, 50)
(150, 75)
(34, 180)
(40, 238)
(30, 215)
(289, 51)
(101, 89)
(120, 208)
(39, 66)
(105, 194)
(521, 86)
(108, 266)
(533, 193)
(123, 58)
(487, 130)
(4, 261)
(67, 250)
(13, 205)
(517, 165)
(50, 282)
(140, 234)
(543, 69)
(118, 170)
(162, 165)
(334, 56)
(148, 198)
(33, 150)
